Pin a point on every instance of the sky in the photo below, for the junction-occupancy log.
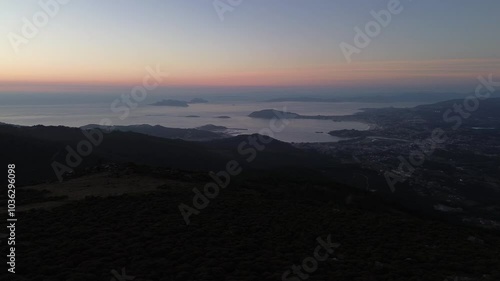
(99, 45)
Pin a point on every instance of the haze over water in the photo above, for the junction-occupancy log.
(196, 115)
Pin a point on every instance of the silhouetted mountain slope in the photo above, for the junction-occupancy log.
(44, 133)
(164, 132)
(253, 230)
(34, 149)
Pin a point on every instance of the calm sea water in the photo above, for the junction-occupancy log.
(239, 123)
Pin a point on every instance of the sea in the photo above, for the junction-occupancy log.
(232, 114)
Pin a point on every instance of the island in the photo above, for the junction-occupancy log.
(273, 113)
(212, 128)
(168, 102)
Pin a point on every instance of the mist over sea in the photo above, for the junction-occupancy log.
(229, 112)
